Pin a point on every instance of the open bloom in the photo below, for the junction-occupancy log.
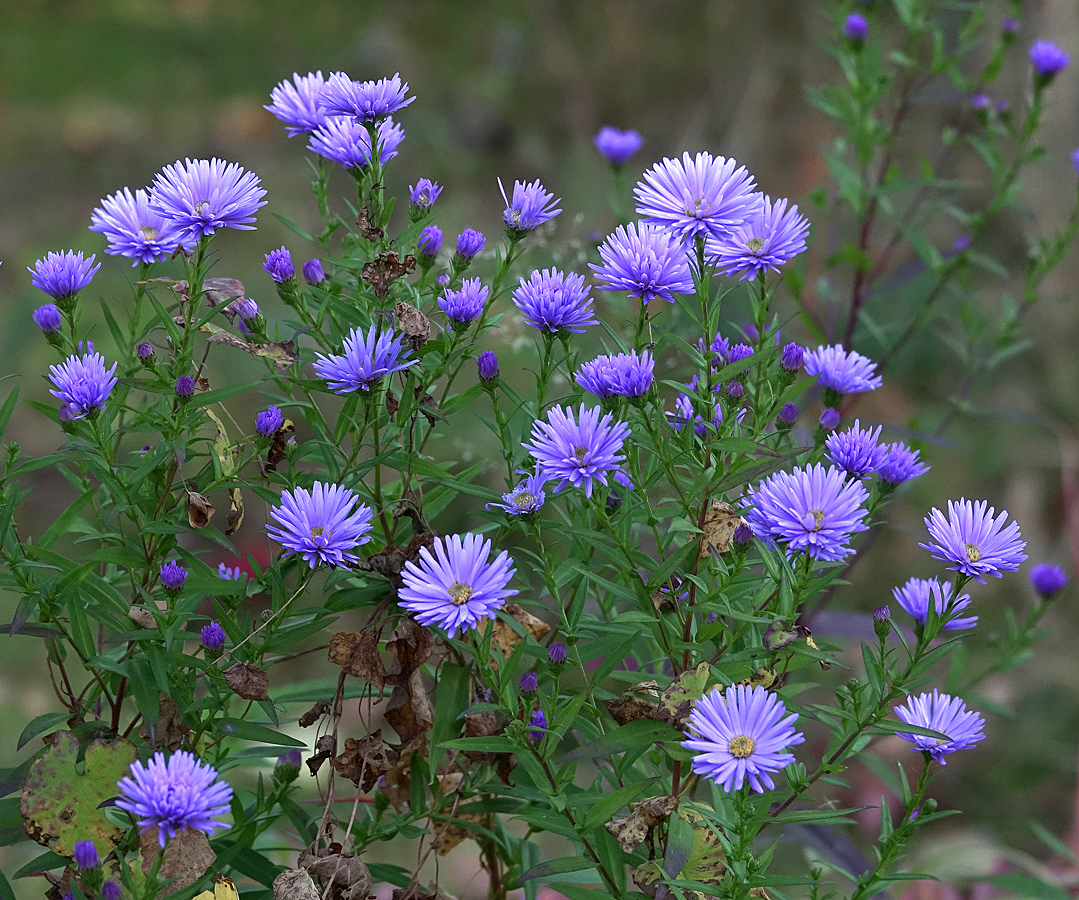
(553, 301)
(174, 795)
(366, 360)
(696, 195)
(61, 275)
(900, 464)
(856, 450)
(579, 450)
(279, 266)
(946, 714)
(916, 595)
(134, 230)
(530, 206)
(739, 735)
(296, 103)
(348, 144)
(973, 540)
(458, 585)
(644, 261)
(527, 497)
(464, 305)
(842, 371)
(621, 375)
(365, 101)
(199, 196)
(772, 236)
(323, 525)
(82, 382)
(812, 510)
(423, 195)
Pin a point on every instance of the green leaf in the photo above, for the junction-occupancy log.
(252, 731)
(39, 725)
(451, 702)
(625, 737)
(559, 866)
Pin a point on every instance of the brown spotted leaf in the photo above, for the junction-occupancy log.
(294, 884)
(280, 440)
(369, 230)
(199, 510)
(415, 325)
(315, 713)
(347, 876)
(719, 525)
(235, 517)
(449, 834)
(505, 635)
(169, 731)
(382, 271)
(186, 859)
(247, 680)
(363, 761)
(677, 700)
(281, 353)
(324, 749)
(142, 617)
(357, 653)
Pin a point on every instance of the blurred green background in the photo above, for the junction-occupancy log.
(98, 95)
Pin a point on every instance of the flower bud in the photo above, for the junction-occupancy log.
(173, 576)
(185, 387)
(487, 365)
(529, 683)
(556, 653)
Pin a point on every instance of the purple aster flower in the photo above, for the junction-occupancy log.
(738, 353)
(856, 28)
(616, 146)
(743, 535)
(645, 261)
(86, 857)
(144, 351)
(465, 305)
(529, 683)
(900, 464)
(62, 275)
(279, 265)
(233, 574)
(48, 318)
(321, 524)
(578, 450)
(1048, 580)
(552, 301)
(1009, 25)
(199, 196)
(212, 637)
(685, 411)
(487, 365)
(705, 195)
(348, 143)
(856, 450)
(110, 890)
(915, 595)
(365, 101)
(975, 542)
(812, 510)
(82, 383)
(530, 207)
(1047, 59)
(739, 735)
(719, 348)
(173, 796)
(296, 103)
(735, 390)
(829, 419)
(133, 229)
(945, 714)
(442, 279)
(556, 653)
(366, 360)
(430, 241)
(622, 375)
(842, 371)
(526, 498)
(537, 725)
(771, 236)
(787, 416)
(791, 359)
(458, 585)
(268, 422)
(422, 197)
(173, 575)
(469, 243)
(312, 272)
(185, 387)
(980, 101)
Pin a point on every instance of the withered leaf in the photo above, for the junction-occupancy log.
(645, 816)
(235, 518)
(677, 700)
(363, 761)
(357, 653)
(369, 230)
(186, 859)
(169, 731)
(409, 711)
(142, 617)
(199, 510)
(632, 709)
(763, 677)
(247, 680)
(382, 271)
(280, 440)
(450, 834)
(315, 713)
(294, 884)
(720, 523)
(216, 291)
(392, 404)
(779, 635)
(507, 638)
(483, 724)
(281, 353)
(415, 325)
(347, 875)
(324, 749)
(397, 782)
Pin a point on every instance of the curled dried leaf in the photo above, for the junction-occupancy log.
(368, 229)
(347, 876)
(235, 517)
(507, 638)
(142, 617)
(363, 761)
(324, 749)
(199, 510)
(357, 653)
(280, 440)
(315, 713)
(187, 857)
(719, 525)
(415, 325)
(382, 271)
(450, 834)
(294, 884)
(247, 680)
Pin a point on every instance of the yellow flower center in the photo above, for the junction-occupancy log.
(524, 498)
(974, 553)
(149, 232)
(579, 453)
(818, 518)
(459, 593)
(316, 530)
(200, 206)
(741, 746)
(756, 245)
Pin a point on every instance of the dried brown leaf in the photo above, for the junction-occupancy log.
(397, 782)
(719, 525)
(363, 761)
(507, 638)
(235, 517)
(142, 617)
(169, 730)
(450, 834)
(347, 875)
(415, 325)
(357, 653)
(247, 680)
(199, 510)
(632, 709)
(369, 230)
(382, 271)
(281, 353)
(186, 859)
(294, 884)
(315, 713)
(324, 749)
(280, 440)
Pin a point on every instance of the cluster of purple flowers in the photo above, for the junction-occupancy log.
(622, 375)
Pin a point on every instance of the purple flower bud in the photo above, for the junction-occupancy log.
(1009, 25)
(556, 653)
(487, 364)
(1002, 106)
(882, 627)
(735, 390)
(791, 360)
(616, 146)
(442, 279)
(268, 422)
(246, 308)
(739, 352)
(144, 351)
(185, 387)
(48, 318)
(469, 243)
(110, 890)
(422, 197)
(538, 724)
(961, 243)
(788, 415)
(979, 101)
(213, 637)
(881, 613)
(312, 272)
(86, 857)
(1048, 580)
(292, 758)
(430, 241)
(829, 419)
(1047, 59)
(173, 575)
(743, 534)
(279, 265)
(67, 414)
(529, 682)
(856, 28)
